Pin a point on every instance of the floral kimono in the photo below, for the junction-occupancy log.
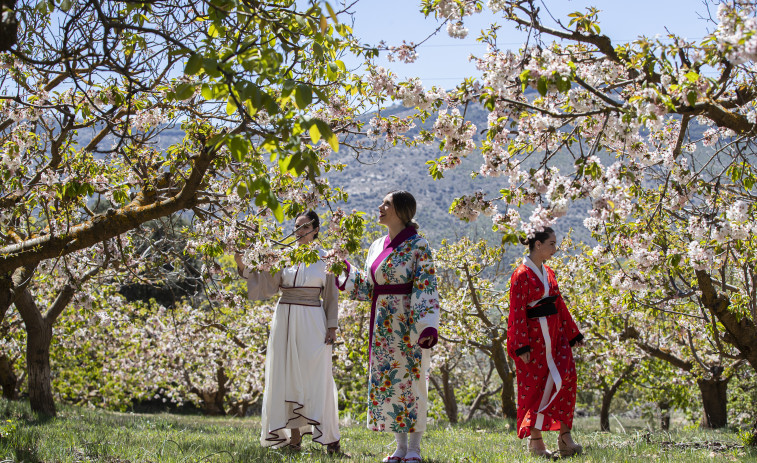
(299, 386)
(545, 328)
(400, 281)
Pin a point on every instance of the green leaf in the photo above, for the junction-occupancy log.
(331, 12)
(211, 67)
(288, 87)
(194, 63)
(231, 107)
(184, 91)
(692, 76)
(326, 133)
(303, 96)
(524, 79)
(541, 86)
(66, 5)
(315, 133)
(691, 97)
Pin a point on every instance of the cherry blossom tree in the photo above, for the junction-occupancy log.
(475, 309)
(650, 132)
(114, 114)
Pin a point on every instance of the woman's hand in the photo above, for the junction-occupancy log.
(526, 357)
(330, 335)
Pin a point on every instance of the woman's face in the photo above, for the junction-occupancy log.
(387, 213)
(304, 230)
(547, 248)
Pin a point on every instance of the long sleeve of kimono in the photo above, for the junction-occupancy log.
(569, 325)
(517, 328)
(331, 302)
(424, 300)
(358, 284)
(261, 285)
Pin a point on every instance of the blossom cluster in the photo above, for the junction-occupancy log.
(736, 34)
(469, 207)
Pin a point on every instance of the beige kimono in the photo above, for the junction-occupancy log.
(299, 387)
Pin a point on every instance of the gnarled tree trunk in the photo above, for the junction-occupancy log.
(8, 379)
(213, 400)
(664, 414)
(499, 356)
(715, 401)
(741, 331)
(609, 393)
(38, 368)
(447, 392)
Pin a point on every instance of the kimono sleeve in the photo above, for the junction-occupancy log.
(357, 284)
(331, 302)
(568, 324)
(517, 327)
(261, 285)
(424, 300)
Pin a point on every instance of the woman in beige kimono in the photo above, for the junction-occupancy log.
(300, 394)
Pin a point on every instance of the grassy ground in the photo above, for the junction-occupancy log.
(84, 435)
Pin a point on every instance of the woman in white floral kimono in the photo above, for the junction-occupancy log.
(399, 279)
(300, 395)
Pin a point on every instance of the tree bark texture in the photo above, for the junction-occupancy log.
(664, 414)
(715, 401)
(742, 332)
(609, 394)
(499, 356)
(8, 379)
(213, 401)
(38, 368)
(446, 391)
(8, 25)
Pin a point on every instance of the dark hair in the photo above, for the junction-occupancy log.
(541, 237)
(404, 206)
(314, 220)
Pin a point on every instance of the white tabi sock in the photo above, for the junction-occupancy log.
(401, 439)
(414, 445)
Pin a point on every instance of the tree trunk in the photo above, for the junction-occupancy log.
(446, 391)
(8, 25)
(742, 332)
(499, 356)
(609, 394)
(38, 368)
(449, 399)
(715, 401)
(8, 379)
(664, 414)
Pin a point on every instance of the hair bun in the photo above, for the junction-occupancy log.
(523, 240)
(413, 223)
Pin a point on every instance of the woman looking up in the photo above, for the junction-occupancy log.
(540, 334)
(399, 279)
(300, 394)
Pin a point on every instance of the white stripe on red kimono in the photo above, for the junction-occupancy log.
(400, 281)
(545, 328)
(299, 386)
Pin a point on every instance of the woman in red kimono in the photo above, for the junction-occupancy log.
(540, 334)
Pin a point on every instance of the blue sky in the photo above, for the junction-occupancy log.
(443, 61)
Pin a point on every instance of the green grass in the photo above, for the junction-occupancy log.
(85, 435)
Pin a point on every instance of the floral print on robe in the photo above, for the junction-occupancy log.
(400, 280)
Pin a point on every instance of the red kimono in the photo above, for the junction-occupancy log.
(544, 327)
